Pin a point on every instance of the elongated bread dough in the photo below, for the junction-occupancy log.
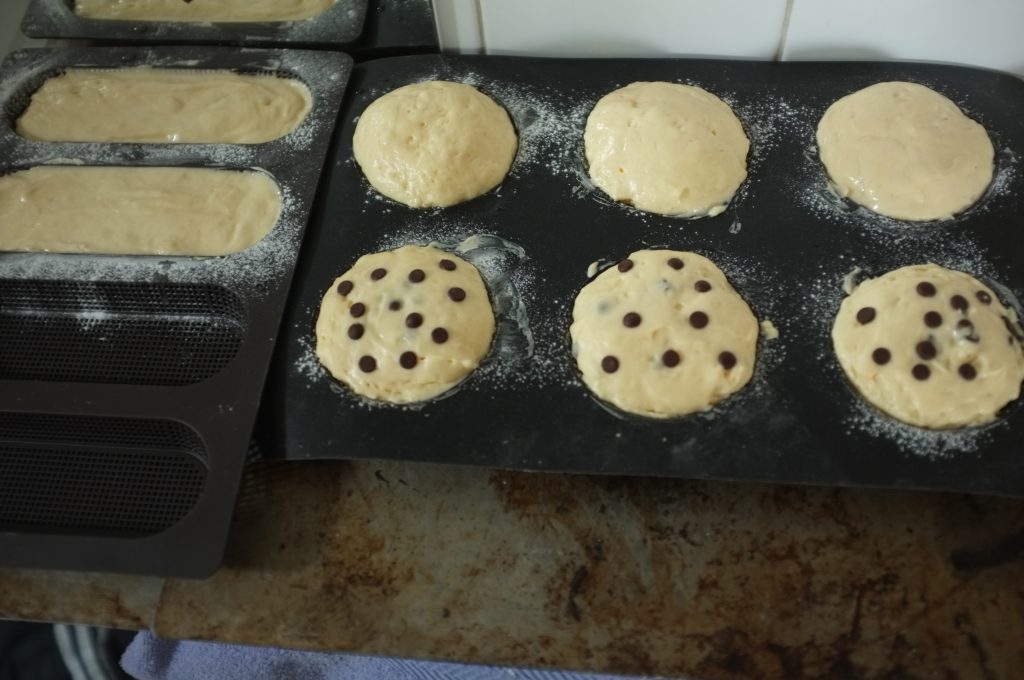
(405, 325)
(202, 10)
(434, 144)
(666, 148)
(137, 211)
(164, 105)
(663, 334)
(905, 151)
(930, 346)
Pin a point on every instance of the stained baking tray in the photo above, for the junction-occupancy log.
(786, 242)
(129, 385)
(336, 27)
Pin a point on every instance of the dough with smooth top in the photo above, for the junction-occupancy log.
(164, 106)
(135, 210)
(930, 346)
(666, 148)
(221, 11)
(663, 334)
(405, 325)
(434, 144)
(905, 151)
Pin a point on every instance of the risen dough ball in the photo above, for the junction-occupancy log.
(434, 144)
(905, 151)
(663, 334)
(666, 148)
(405, 325)
(930, 346)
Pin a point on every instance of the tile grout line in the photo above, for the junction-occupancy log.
(480, 25)
(785, 29)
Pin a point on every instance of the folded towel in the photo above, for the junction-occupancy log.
(152, 658)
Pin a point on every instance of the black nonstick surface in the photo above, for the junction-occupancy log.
(129, 385)
(785, 242)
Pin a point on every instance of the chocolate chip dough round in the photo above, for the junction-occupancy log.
(434, 144)
(666, 148)
(905, 151)
(663, 334)
(405, 325)
(930, 346)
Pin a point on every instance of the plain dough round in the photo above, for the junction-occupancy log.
(666, 148)
(387, 334)
(670, 302)
(905, 151)
(434, 144)
(973, 329)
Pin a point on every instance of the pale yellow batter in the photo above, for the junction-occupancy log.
(905, 151)
(136, 211)
(164, 105)
(202, 10)
(930, 346)
(405, 325)
(434, 144)
(666, 148)
(663, 334)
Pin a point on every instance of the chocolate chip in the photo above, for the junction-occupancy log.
(355, 331)
(727, 359)
(345, 287)
(702, 286)
(670, 358)
(367, 364)
(447, 265)
(610, 364)
(456, 294)
(699, 320)
(925, 289)
(625, 265)
(358, 309)
(414, 320)
(926, 350)
(881, 356)
(675, 263)
(378, 274)
(921, 372)
(865, 315)
(959, 303)
(439, 335)
(631, 320)
(967, 372)
(395, 305)
(932, 319)
(408, 360)
(983, 297)
(417, 275)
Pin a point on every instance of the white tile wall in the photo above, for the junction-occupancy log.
(458, 25)
(739, 28)
(977, 32)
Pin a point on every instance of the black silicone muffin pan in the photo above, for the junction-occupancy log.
(336, 27)
(786, 242)
(129, 385)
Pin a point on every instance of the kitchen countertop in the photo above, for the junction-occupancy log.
(670, 577)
